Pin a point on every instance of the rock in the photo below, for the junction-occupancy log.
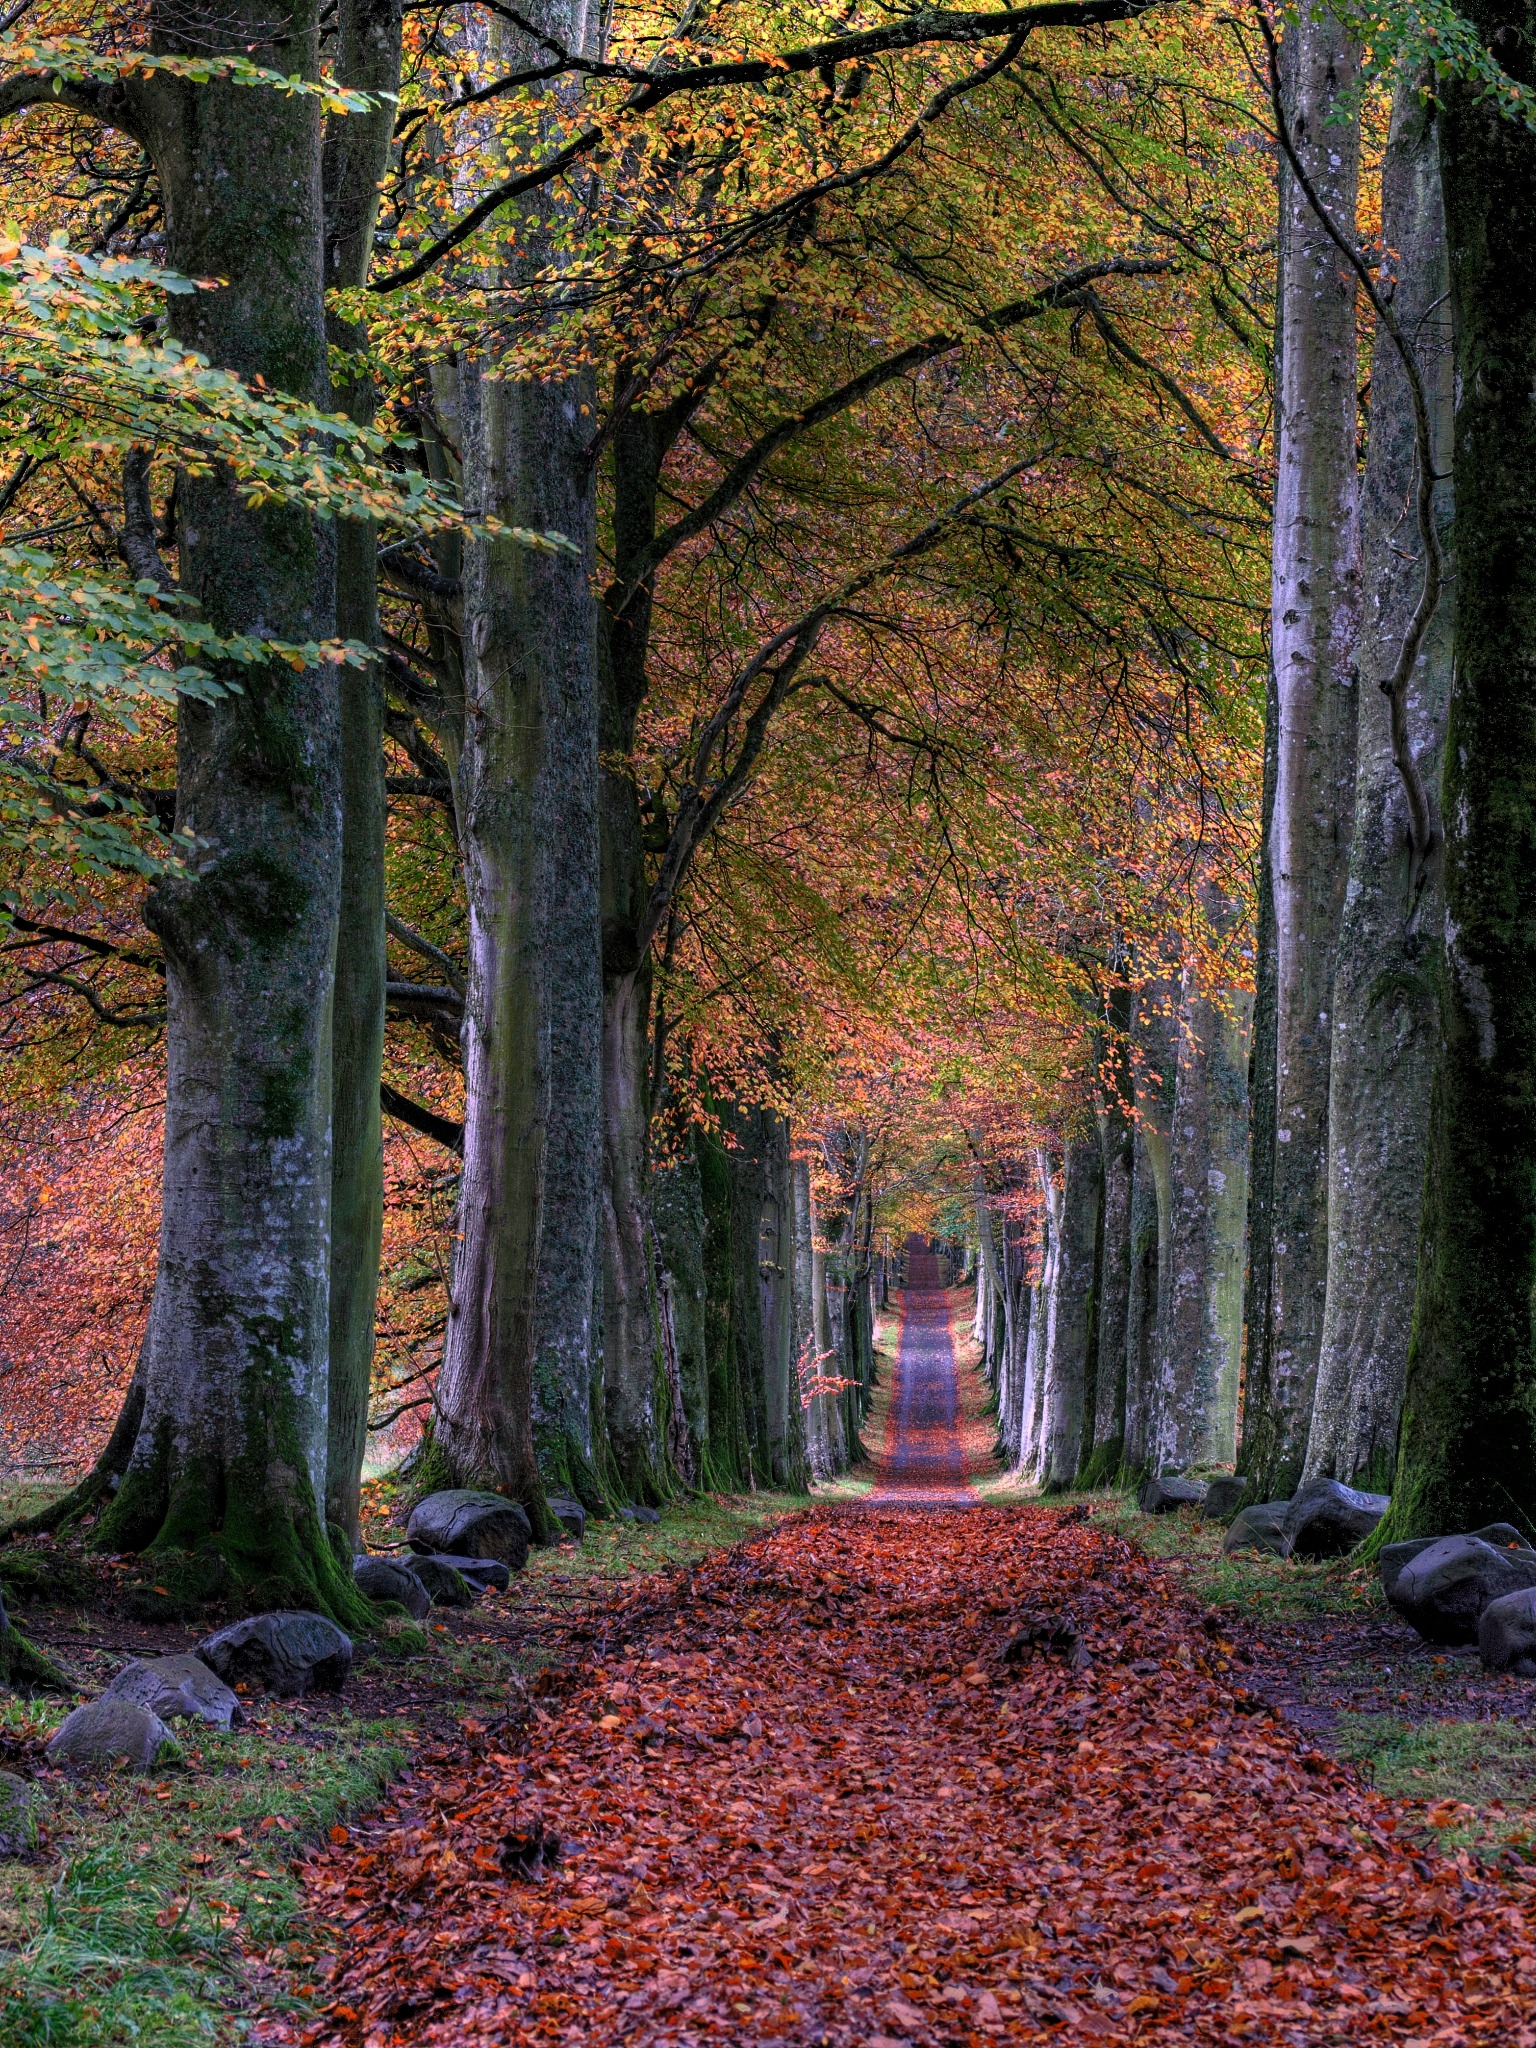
(391, 1578)
(110, 1731)
(1443, 1591)
(1502, 1536)
(570, 1514)
(1223, 1497)
(1163, 1496)
(1260, 1527)
(20, 1804)
(1506, 1633)
(444, 1582)
(288, 1653)
(480, 1574)
(181, 1687)
(638, 1514)
(463, 1522)
(1327, 1519)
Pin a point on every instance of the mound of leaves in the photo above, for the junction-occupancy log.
(908, 1777)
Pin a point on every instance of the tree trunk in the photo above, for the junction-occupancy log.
(724, 1464)
(230, 1457)
(1200, 1337)
(1385, 1014)
(1117, 1152)
(516, 1375)
(677, 1205)
(1030, 1448)
(356, 152)
(1467, 1448)
(1071, 1323)
(1315, 610)
(1154, 1067)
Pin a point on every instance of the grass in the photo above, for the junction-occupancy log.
(137, 1928)
(1472, 1782)
(139, 1919)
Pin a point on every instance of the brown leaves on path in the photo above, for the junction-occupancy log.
(802, 1798)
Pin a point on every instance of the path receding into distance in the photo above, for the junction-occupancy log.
(804, 1796)
(923, 1464)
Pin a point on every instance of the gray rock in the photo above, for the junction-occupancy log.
(481, 1574)
(1223, 1497)
(20, 1804)
(464, 1522)
(177, 1687)
(1165, 1496)
(570, 1514)
(391, 1578)
(1502, 1536)
(639, 1514)
(110, 1731)
(1260, 1527)
(289, 1653)
(1506, 1633)
(1327, 1519)
(444, 1583)
(1443, 1591)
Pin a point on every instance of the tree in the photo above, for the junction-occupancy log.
(1315, 615)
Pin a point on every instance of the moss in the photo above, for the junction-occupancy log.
(23, 1669)
(1101, 1467)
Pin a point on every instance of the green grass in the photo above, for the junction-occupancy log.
(1475, 1780)
(136, 1929)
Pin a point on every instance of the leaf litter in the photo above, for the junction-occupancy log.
(816, 1790)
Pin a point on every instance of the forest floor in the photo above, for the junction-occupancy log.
(803, 1797)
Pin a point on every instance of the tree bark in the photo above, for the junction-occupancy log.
(1315, 608)
(1199, 1338)
(514, 1392)
(1385, 1009)
(1154, 1066)
(1467, 1447)
(230, 1458)
(1029, 1450)
(1116, 1153)
(1071, 1319)
(355, 154)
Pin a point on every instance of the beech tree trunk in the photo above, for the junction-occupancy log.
(1467, 1448)
(1029, 1450)
(1315, 612)
(1385, 991)
(1200, 1333)
(355, 154)
(516, 1374)
(1116, 1157)
(1154, 1079)
(1071, 1314)
(230, 1458)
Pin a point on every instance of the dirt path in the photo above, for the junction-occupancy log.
(804, 1799)
(924, 1462)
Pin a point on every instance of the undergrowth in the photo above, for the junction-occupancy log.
(1472, 1782)
(155, 1892)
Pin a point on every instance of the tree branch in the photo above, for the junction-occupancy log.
(442, 1129)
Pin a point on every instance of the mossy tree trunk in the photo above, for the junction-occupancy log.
(1315, 612)
(230, 1457)
(355, 154)
(514, 1390)
(1385, 1007)
(1467, 1449)
(1071, 1316)
(1200, 1335)
(1112, 1104)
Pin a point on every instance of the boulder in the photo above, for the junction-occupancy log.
(1164, 1496)
(1502, 1535)
(481, 1574)
(112, 1731)
(463, 1522)
(444, 1583)
(570, 1514)
(1443, 1591)
(20, 1804)
(177, 1687)
(391, 1578)
(1260, 1527)
(638, 1514)
(1223, 1497)
(1506, 1633)
(1327, 1518)
(288, 1653)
